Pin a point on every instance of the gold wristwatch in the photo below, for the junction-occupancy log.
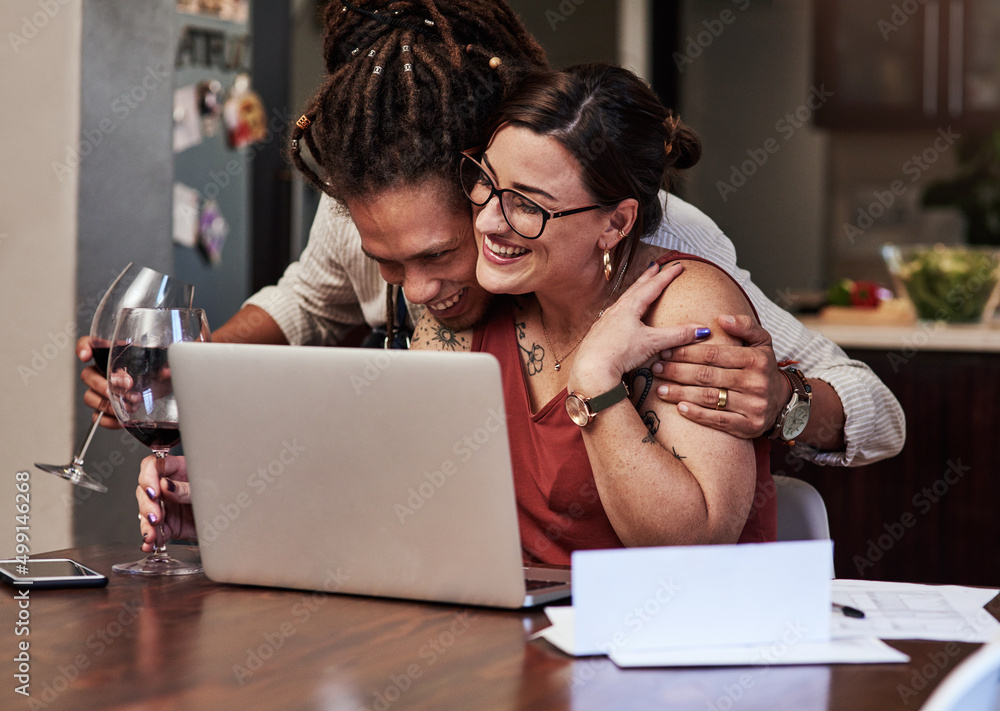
(583, 409)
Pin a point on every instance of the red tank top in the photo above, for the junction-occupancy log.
(559, 509)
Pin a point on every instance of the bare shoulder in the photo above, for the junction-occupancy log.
(431, 335)
(701, 293)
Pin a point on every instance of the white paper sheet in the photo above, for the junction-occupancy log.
(913, 611)
(857, 650)
(701, 596)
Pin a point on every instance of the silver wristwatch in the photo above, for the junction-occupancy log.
(794, 417)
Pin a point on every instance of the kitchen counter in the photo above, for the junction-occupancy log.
(915, 336)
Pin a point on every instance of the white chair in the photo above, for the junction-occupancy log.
(974, 685)
(801, 511)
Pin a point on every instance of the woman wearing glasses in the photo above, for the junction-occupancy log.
(564, 188)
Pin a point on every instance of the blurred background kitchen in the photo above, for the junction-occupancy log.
(152, 132)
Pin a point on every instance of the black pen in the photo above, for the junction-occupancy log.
(849, 611)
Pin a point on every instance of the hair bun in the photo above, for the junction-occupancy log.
(683, 145)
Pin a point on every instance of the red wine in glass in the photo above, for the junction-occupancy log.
(134, 286)
(101, 352)
(158, 436)
(142, 396)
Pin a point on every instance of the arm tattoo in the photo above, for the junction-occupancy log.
(652, 423)
(676, 455)
(646, 376)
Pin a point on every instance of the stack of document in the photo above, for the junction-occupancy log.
(765, 604)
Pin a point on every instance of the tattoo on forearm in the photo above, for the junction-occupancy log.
(652, 423)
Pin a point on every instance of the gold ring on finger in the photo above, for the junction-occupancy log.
(723, 398)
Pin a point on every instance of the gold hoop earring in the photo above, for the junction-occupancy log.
(607, 265)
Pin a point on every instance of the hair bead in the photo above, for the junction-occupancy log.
(495, 62)
(427, 117)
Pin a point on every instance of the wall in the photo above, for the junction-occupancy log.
(573, 31)
(40, 66)
(876, 182)
(85, 189)
(125, 210)
(745, 67)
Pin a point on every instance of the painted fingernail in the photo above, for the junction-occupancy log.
(657, 368)
(702, 332)
(171, 486)
(651, 265)
(150, 493)
(152, 518)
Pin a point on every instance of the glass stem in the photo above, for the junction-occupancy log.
(160, 546)
(78, 457)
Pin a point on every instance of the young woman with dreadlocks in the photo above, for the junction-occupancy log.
(410, 84)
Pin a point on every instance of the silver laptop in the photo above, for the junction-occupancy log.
(351, 470)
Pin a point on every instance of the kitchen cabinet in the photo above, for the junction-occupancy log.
(929, 514)
(897, 64)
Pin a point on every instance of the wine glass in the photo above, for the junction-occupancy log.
(135, 286)
(142, 397)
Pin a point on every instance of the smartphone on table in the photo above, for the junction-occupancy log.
(43, 573)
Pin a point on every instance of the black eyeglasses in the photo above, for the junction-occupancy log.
(524, 215)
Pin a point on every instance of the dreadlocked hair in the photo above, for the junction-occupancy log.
(410, 84)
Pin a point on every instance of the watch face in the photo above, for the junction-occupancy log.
(577, 410)
(795, 421)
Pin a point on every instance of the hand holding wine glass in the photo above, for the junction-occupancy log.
(142, 396)
(135, 286)
(163, 495)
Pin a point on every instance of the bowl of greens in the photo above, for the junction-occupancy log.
(950, 283)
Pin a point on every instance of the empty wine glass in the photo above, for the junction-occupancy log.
(135, 286)
(142, 397)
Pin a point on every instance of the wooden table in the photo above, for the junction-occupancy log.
(188, 643)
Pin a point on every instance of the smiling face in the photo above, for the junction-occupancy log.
(570, 249)
(423, 242)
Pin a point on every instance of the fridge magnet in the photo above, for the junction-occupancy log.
(246, 122)
(212, 231)
(187, 126)
(186, 215)
(210, 101)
